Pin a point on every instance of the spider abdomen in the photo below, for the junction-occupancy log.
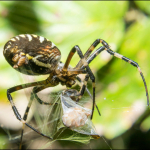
(31, 54)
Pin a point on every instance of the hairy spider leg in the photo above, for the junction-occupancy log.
(78, 79)
(25, 118)
(81, 92)
(38, 89)
(35, 90)
(93, 55)
(89, 59)
(74, 71)
(91, 48)
(88, 70)
(100, 49)
(17, 114)
(133, 63)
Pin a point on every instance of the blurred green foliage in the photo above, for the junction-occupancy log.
(22, 17)
(124, 25)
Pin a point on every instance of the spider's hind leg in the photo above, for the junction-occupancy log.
(25, 118)
(16, 112)
(34, 92)
(88, 70)
(91, 48)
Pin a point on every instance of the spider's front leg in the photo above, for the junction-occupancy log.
(91, 48)
(88, 70)
(106, 47)
(133, 63)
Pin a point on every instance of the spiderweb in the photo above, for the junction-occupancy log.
(53, 125)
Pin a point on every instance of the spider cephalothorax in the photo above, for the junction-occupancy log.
(35, 55)
(59, 76)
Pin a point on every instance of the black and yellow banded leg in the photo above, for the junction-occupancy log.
(89, 95)
(72, 52)
(90, 73)
(93, 55)
(83, 87)
(34, 94)
(89, 59)
(82, 90)
(78, 79)
(25, 118)
(84, 63)
(16, 88)
(17, 114)
(91, 48)
(133, 63)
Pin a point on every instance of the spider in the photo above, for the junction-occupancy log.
(35, 55)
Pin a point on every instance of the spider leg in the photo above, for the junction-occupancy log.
(82, 90)
(91, 48)
(17, 114)
(91, 75)
(92, 56)
(89, 59)
(133, 63)
(72, 52)
(34, 92)
(78, 79)
(25, 118)
(16, 88)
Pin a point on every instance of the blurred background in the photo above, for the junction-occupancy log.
(120, 94)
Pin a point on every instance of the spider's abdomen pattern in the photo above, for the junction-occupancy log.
(31, 54)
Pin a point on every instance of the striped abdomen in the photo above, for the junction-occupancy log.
(32, 54)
